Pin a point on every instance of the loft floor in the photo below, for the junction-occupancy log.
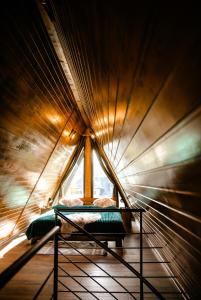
(27, 282)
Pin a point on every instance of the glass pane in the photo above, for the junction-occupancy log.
(73, 185)
(102, 186)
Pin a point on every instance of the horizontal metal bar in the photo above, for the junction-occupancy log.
(109, 233)
(163, 292)
(123, 248)
(7, 274)
(131, 248)
(161, 277)
(109, 262)
(43, 284)
(177, 210)
(170, 220)
(94, 276)
(114, 254)
(137, 210)
(116, 292)
(115, 276)
(136, 248)
(99, 292)
(124, 288)
(142, 233)
(79, 283)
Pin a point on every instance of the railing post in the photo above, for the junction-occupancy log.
(139, 275)
(55, 286)
(141, 258)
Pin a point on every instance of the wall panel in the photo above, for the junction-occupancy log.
(137, 67)
(38, 113)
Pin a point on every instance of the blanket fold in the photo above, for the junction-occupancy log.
(80, 218)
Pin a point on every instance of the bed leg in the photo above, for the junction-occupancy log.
(105, 252)
(119, 243)
(33, 241)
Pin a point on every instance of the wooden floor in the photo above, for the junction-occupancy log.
(26, 283)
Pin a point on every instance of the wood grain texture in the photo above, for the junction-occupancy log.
(30, 277)
(38, 114)
(137, 67)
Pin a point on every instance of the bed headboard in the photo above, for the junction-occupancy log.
(88, 200)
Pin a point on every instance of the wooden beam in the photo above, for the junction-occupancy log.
(88, 176)
(113, 174)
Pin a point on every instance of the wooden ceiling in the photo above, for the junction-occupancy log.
(134, 69)
(137, 69)
(127, 61)
(40, 123)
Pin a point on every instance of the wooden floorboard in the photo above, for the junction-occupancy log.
(26, 283)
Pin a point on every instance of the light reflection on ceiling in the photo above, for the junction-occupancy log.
(6, 228)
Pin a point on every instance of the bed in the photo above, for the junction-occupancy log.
(109, 227)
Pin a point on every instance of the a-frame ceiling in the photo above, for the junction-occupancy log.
(40, 123)
(136, 66)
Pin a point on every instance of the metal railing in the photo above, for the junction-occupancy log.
(139, 275)
(8, 273)
(55, 232)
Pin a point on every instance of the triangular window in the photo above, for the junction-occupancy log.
(102, 186)
(73, 185)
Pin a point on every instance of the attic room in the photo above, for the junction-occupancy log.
(100, 192)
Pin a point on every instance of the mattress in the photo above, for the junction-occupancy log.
(110, 222)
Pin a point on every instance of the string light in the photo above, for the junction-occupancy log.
(72, 134)
(66, 133)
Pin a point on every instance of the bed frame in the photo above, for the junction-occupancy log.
(103, 238)
(118, 238)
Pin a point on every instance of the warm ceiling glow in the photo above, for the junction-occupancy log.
(73, 136)
(54, 118)
(66, 133)
(102, 120)
(109, 121)
(161, 152)
(101, 132)
(42, 184)
(32, 177)
(6, 229)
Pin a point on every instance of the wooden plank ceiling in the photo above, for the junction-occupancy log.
(40, 123)
(136, 68)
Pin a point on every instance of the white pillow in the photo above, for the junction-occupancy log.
(104, 202)
(71, 202)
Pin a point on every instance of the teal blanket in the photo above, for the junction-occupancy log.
(110, 222)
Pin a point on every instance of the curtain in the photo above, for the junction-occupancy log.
(73, 161)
